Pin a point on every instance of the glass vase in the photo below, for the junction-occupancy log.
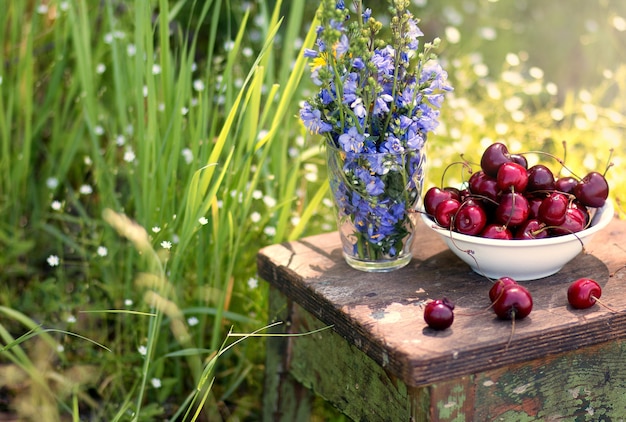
(375, 195)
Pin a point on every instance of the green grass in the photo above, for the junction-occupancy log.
(148, 149)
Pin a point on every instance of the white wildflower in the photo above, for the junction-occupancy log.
(129, 155)
(52, 182)
(85, 189)
(198, 85)
(255, 217)
(187, 155)
(53, 260)
(253, 283)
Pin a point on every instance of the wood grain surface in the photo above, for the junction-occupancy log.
(382, 313)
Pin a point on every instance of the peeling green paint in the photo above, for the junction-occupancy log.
(587, 386)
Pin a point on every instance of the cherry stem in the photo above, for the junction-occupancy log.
(465, 165)
(559, 160)
(508, 343)
(609, 164)
(603, 304)
(564, 143)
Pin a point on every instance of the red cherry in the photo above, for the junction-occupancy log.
(575, 221)
(583, 293)
(592, 190)
(552, 209)
(445, 211)
(534, 202)
(532, 229)
(566, 184)
(493, 157)
(433, 197)
(519, 159)
(480, 183)
(496, 231)
(514, 302)
(470, 219)
(498, 287)
(439, 314)
(512, 176)
(512, 209)
(540, 178)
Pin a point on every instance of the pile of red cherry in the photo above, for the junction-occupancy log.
(506, 199)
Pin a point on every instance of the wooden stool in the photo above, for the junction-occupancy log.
(380, 362)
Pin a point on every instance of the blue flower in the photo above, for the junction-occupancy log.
(351, 140)
(312, 119)
(381, 106)
(310, 54)
(373, 185)
(350, 88)
(343, 45)
(392, 144)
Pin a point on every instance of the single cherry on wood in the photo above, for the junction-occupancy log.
(583, 293)
(498, 286)
(439, 314)
(514, 302)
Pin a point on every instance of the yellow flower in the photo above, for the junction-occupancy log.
(318, 62)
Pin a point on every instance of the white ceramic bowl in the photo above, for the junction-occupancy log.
(521, 259)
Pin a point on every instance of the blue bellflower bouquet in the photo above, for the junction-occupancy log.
(378, 98)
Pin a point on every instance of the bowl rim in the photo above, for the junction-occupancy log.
(600, 220)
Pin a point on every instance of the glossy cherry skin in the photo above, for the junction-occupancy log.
(552, 209)
(439, 314)
(493, 157)
(575, 221)
(566, 184)
(498, 287)
(592, 190)
(496, 231)
(583, 293)
(513, 302)
(512, 209)
(532, 229)
(540, 178)
(512, 177)
(433, 197)
(445, 211)
(519, 159)
(480, 183)
(534, 202)
(470, 219)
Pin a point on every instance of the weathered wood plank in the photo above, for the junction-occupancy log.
(348, 378)
(586, 385)
(285, 399)
(382, 314)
